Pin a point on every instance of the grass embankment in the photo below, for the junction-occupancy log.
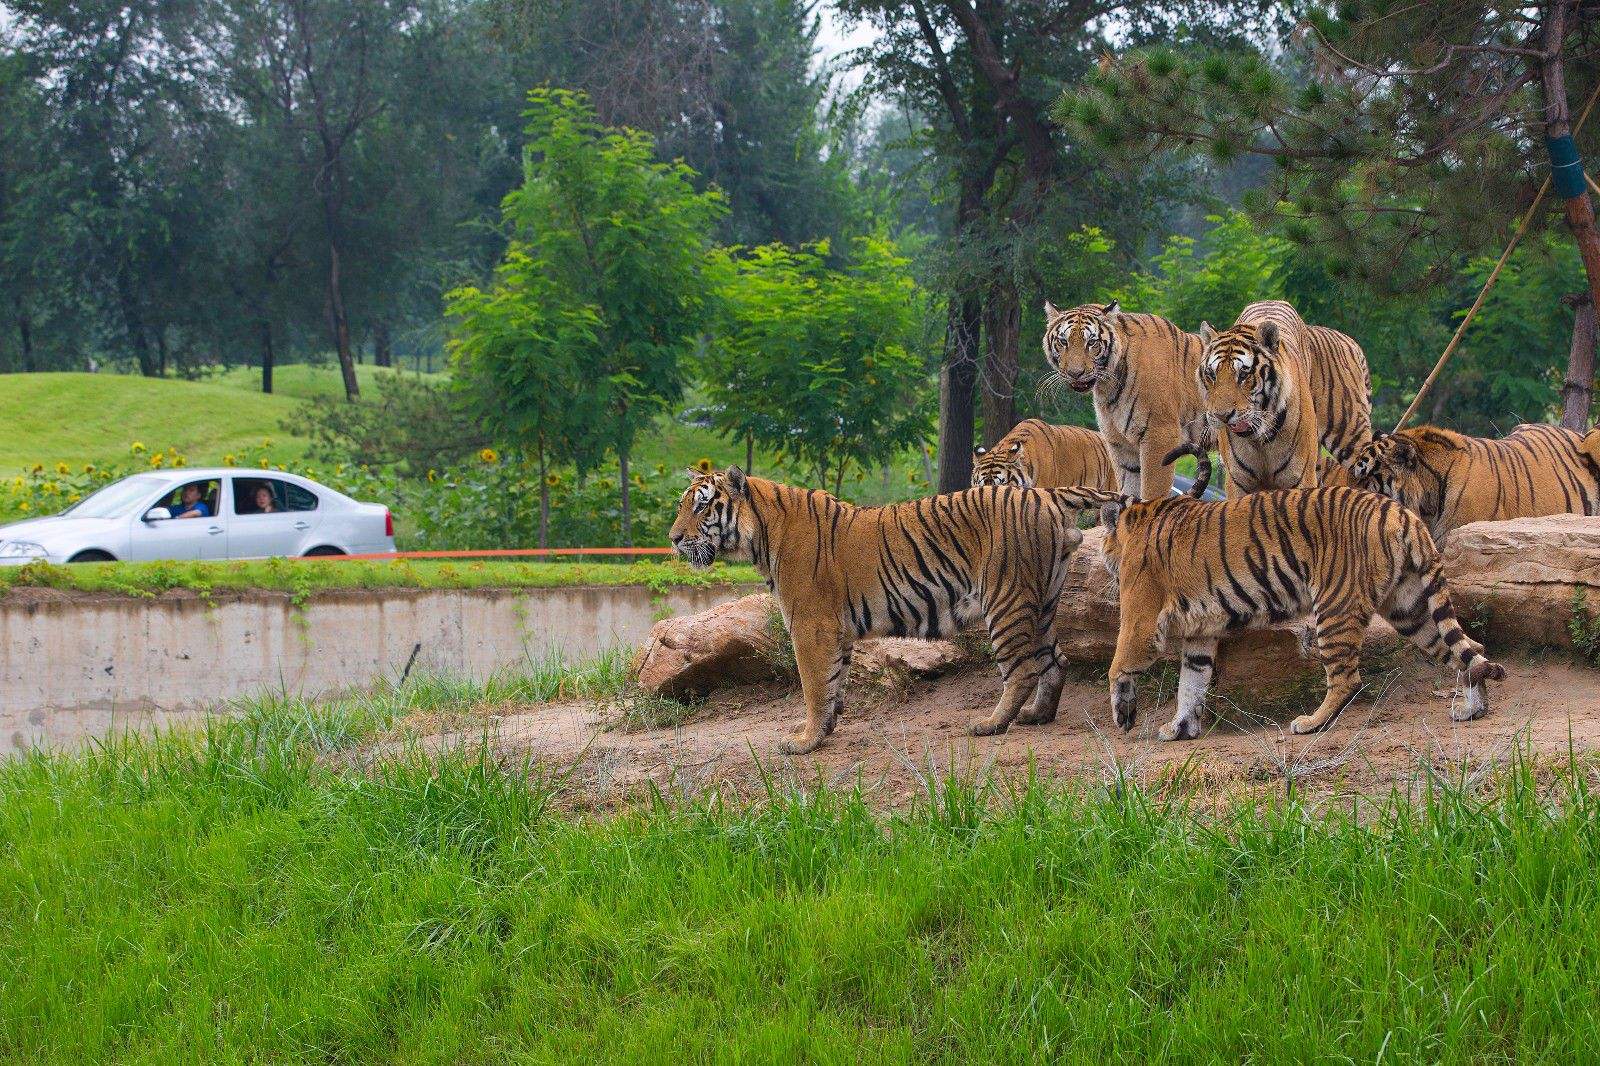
(306, 576)
(253, 894)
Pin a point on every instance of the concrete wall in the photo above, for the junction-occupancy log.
(74, 666)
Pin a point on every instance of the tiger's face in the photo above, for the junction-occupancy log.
(1006, 465)
(713, 518)
(1081, 344)
(1387, 464)
(1239, 378)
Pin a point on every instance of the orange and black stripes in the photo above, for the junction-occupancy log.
(1036, 454)
(1451, 480)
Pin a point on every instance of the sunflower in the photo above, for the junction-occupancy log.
(704, 466)
(38, 468)
(157, 459)
(229, 460)
(63, 468)
(488, 456)
(180, 461)
(24, 506)
(88, 468)
(553, 480)
(136, 447)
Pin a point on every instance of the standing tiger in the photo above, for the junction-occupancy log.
(1275, 390)
(1190, 572)
(1037, 455)
(1142, 371)
(1450, 479)
(920, 569)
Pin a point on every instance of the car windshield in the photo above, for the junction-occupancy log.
(117, 498)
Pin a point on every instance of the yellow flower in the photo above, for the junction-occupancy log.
(137, 448)
(75, 497)
(266, 442)
(156, 459)
(339, 469)
(661, 469)
(553, 480)
(705, 466)
(180, 461)
(50, 488)
(88, 468)
(229, 460)
(24, 506)
(63, 468)
(432, 476)
(488, 455)
(38, 468)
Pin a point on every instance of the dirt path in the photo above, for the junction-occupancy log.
(892, 737)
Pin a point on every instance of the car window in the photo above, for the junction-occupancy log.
(284, 496)
(117, 498)
(209, 491)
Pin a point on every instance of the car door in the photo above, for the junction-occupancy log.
(254, 533)
(181, 538)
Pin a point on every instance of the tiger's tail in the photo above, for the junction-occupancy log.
(1198, 442)
(1422, 613)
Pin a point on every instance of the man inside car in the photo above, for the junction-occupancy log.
(192, 506)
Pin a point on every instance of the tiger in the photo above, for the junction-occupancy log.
(1038, 455)
(1450, 479)
(1276, 390)
(1143, 373)
(1190, 572)
(925, 568)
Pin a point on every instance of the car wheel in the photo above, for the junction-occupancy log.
(93, 555)
(323, 550)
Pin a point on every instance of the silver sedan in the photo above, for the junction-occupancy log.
(216, 513)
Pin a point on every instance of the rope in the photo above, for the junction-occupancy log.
(1494, 276)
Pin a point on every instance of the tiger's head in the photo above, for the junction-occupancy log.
(1081, 344)
(1004, 464)
(1239, 378)
(1388, 465)
(715, 518)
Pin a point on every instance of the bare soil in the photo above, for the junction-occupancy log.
(900, 736)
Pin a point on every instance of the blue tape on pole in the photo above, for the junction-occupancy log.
(1566, 170)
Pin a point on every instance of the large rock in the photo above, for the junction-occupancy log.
(1518, 581)
(733, 643)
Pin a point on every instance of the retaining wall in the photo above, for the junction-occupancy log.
(74, 666)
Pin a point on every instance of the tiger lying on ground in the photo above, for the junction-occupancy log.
(1450, 479)
(1190, 572)
(1275, 389)
(1142, 371)
(920, 569)
(1037, 455)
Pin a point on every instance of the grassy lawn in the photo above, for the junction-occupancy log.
(245, 895)
(306, 576)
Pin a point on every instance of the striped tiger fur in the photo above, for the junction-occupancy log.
(1275, 390)
(1451, 479)
(1142, 371)
(920, 569)
(1190, 572)
(1037, 455)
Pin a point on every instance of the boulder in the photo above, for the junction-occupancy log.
(733, 643)
(1519, 581)
(917, 658)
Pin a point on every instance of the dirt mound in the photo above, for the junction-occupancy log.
(894, 736)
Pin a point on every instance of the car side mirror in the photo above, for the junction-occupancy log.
(157, 514)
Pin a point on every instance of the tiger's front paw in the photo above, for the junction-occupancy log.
(1123, 705)
(1180, 729)
(987, 727)
(1306, 723)
(801, 743)
(1033, 717)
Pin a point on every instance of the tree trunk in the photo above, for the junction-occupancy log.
(958, 381)
(269, 358)
(133, 325)
(25, 337)
(338, 322)
(1578, 391)
(544, 499)
(627, 513)
(161, 348)
(382, 347)
(1567, 181)
(1002, 318)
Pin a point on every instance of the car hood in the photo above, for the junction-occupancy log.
(44, 530)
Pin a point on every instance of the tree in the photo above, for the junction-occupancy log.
(1407, 137)
(815, 363)
(606, 279)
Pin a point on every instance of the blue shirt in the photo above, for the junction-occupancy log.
(200, 507)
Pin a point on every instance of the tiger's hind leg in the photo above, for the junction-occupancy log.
(1421, 611)
(1339, 643)
(1026, 652)
(1194, 686)
(1047, 694)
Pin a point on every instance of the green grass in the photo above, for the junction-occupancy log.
(306, 576)
(250, 895)
(94, 418)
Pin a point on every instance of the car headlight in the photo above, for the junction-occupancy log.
(22, 549)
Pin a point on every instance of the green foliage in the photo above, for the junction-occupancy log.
(815, 362)
(1212, 279)
(441, 906)
(414, 423)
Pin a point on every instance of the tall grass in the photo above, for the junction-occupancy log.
(234, 896)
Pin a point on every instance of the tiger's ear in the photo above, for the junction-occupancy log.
(1590, 446)
(1050, 310)
(692, 472)
(737, 482)
(1109, 513)
(1207, 334)
(979, 451)
(1112, 309)
(1016, 446)
(1268, 334)
(1405, 453)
